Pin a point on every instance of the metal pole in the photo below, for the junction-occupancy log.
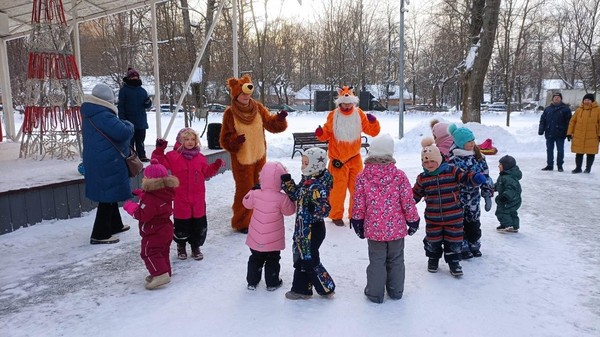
(401, 75)
(234, 33)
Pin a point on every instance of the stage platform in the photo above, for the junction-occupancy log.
(35, 190)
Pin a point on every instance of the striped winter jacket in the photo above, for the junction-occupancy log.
(440, 189)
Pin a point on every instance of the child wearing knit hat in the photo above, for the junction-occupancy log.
(438, 185)
(466, 155)
(384, 213)
(189, 207)
(154, 212)
(508, 199)
(311, 196)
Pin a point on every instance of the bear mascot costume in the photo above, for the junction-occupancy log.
(243, 136)
(343, 130)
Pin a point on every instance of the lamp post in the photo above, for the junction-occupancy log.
(401, 72)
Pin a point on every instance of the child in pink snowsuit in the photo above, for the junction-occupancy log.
(156, 229)
(266, 233)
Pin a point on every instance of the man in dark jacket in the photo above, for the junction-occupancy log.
(133, 102)
(554, 124)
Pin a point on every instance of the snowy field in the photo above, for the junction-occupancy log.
(542, 281)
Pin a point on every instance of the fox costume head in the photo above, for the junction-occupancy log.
(346, 95)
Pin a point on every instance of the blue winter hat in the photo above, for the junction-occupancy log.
(461, 135)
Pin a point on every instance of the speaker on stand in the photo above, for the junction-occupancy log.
(213, 134)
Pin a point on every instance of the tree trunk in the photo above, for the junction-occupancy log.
(484, 22)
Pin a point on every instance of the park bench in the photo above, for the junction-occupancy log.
(306, 140)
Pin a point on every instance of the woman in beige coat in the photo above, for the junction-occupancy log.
(584, 131)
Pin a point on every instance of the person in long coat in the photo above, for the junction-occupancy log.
(584, 133)
(106, 173)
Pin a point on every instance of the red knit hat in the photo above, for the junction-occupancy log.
(155, 170)
(132, 73)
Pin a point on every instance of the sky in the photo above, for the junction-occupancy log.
(542, 281)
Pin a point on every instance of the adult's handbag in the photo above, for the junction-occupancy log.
(134, 164)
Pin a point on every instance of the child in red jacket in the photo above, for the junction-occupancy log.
(189, 208)
(156, 229)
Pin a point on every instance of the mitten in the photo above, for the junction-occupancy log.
(488, 204)
(501, 199)
(130, 207)
(479, 179)
(286, 177)
(138, 192)
(219, 162)
(569, 137)
(161, 143)
(413, 227)
(256, 187)
(240, 139)
(359, 227)
(282, 115)
(319, 131)
(371, 118)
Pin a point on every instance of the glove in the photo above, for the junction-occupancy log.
(286, 177)
(282, 115)
(256, 187)
(130, 207)
(569, 137)
(488, 204)
(161, 143)
(413, 227)
(240, 139)
(501, 199)
(220, 162)
(138, 192)
(479, 179)
(359, 227)
(319, 131)
(371, 118)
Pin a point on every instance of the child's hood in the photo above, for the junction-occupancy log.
(513, 172)
(270, 176)
(380, 174)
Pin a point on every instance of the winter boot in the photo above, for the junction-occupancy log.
(197, 254)
(560, 168)
(547, 168)
(455, 269)
(588, 163)
(292, 295)
(476, 253)
(432, 265)
(466, 255)
(276, 286)
(181, 253)
(158, 281)
(578, 163)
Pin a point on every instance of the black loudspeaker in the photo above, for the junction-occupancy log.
(213, 135)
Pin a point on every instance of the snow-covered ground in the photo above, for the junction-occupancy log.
(542, 281)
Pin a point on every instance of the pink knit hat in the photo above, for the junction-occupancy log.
(132, 73)
(155, 170)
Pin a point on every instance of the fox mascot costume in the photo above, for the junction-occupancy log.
(343, 131)
(243, 136)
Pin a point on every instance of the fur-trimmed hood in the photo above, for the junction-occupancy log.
(98, 101)
(380, 160)
(153, 184)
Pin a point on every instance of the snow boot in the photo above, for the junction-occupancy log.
(432, 265)
(292, 295)
(275, 287)
(547, 168)
(476, 253)
(181, 253)
(197, 254)
(466, 255)
(112, 239)
(455, 269)
(158, 281)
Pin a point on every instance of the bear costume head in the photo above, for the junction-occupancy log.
(240, 85)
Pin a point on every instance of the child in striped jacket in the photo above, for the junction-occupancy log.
(439, 185)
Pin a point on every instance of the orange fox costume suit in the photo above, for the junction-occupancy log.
(343, 131)
(243, 136)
